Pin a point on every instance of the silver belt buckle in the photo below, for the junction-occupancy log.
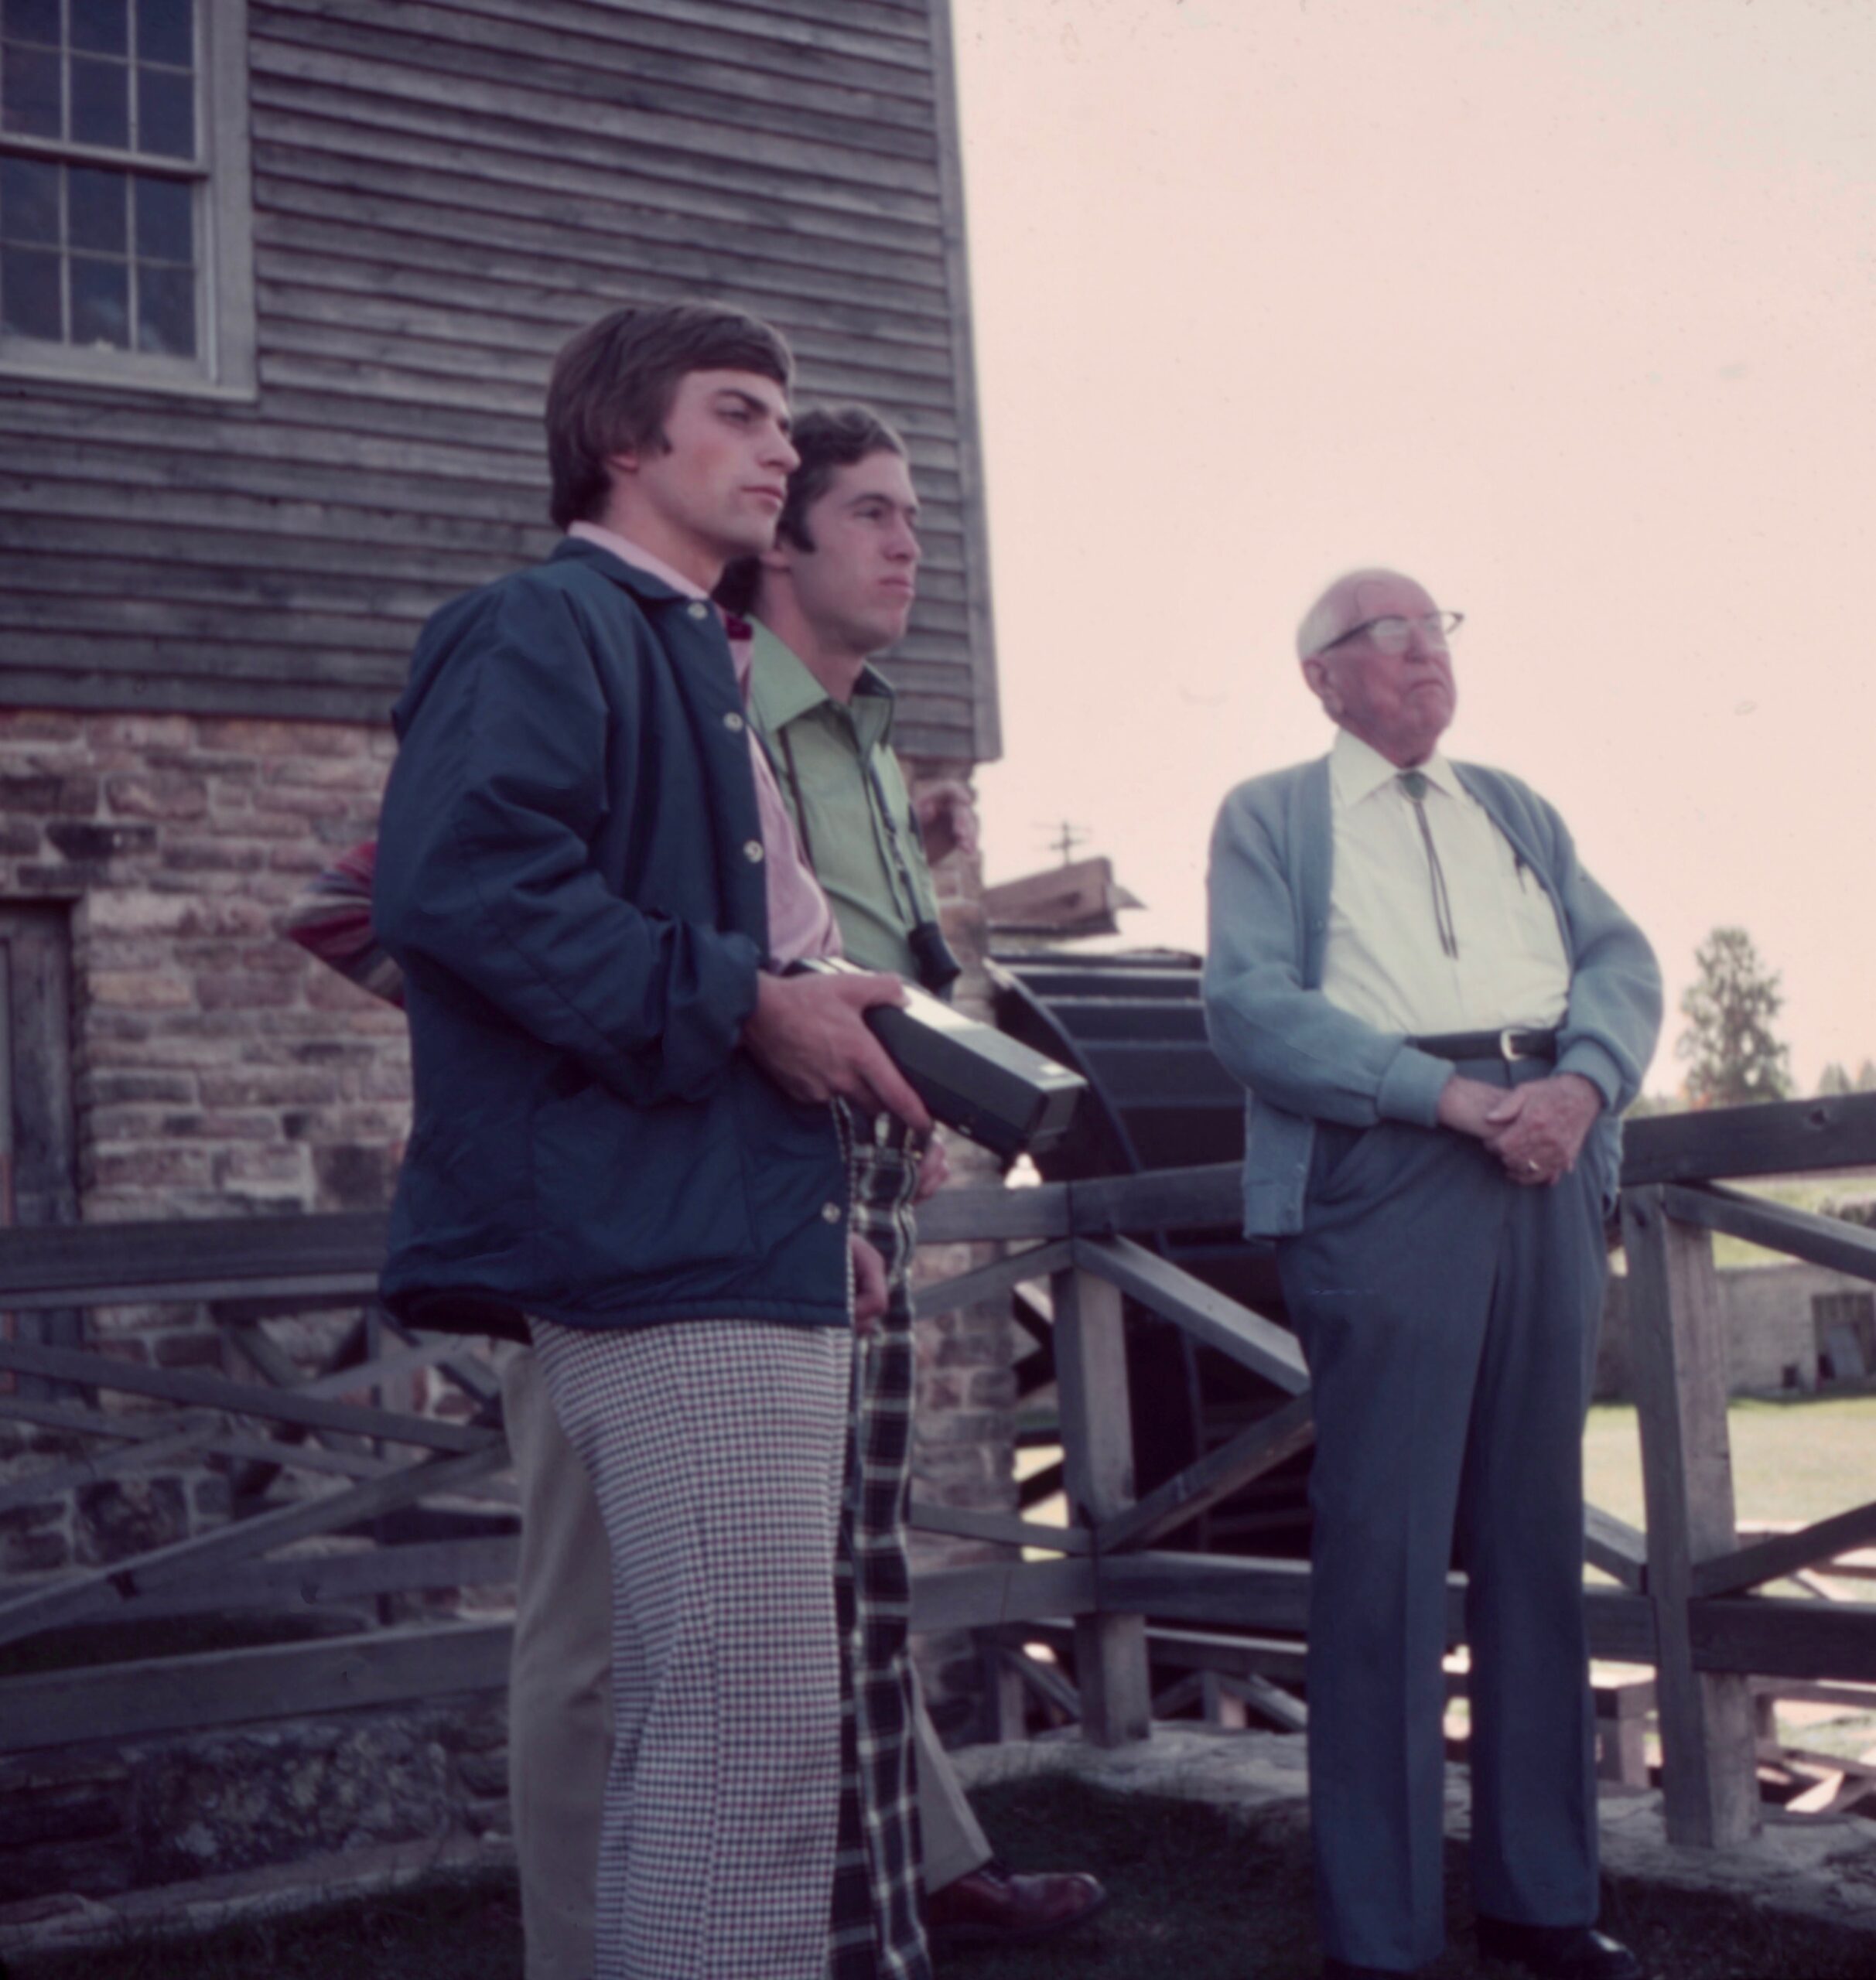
(1508, 1046)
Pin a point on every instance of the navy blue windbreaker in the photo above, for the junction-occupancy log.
(569, 871)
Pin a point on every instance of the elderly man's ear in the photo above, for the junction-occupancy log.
(1315, 672)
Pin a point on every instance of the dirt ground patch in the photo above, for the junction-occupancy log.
(1197, 1895)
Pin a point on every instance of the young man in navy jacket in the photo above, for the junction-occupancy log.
(631, 1127)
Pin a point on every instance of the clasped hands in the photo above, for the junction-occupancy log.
(1536, 1130)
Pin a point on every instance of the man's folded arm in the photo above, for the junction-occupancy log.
(485, 867)
(1613, 1019)
(1289, 1044)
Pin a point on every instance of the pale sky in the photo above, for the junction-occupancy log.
(1566, 307)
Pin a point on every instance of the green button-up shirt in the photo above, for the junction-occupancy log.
(843, 787)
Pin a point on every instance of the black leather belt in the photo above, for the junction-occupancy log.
(1488, 1044)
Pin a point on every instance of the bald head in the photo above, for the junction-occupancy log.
(1398, 698)
(1345, 604)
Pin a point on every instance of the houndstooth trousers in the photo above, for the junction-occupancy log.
(716, 1450)
(654, 1918)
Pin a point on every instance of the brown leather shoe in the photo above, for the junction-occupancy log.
(993, 1905)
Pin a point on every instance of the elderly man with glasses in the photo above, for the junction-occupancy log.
(1438, 1016)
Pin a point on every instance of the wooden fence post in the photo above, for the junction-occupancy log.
(1709, 1779)
(1091, 1367)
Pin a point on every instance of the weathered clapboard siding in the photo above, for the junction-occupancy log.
(443, 191)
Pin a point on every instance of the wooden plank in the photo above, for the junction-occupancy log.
(163, 588)
(1004, 1529)
(93, 1263)
(744, 67)
(986, 724)
(1091, 1373)
(120, 1701)
(1249, 1455)
(1772, 1637)
(1621, 1625)
(309, 1580)
(1209, 1589)
(991, 1216)
(1196, 1650)
(1820, 1240)
(241, 1398)
(98, 1591)
(191, 1438)
(297, 118)
(79, 1421)
(864, 48)
(1617, 1547)
(1208, 1315)
(1708, 1783)
(990, 1282)
(1246, 1593)
(1781, 1138)
(1162, 1200)
(424, 1353)
(152, 690)
(1813, 1546)
(901, 156)
(981, 1596)
(653, 98)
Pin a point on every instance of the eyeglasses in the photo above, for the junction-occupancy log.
(1395, 634)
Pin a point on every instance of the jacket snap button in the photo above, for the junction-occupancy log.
(699, 609)
(752, 851)
(830, 1213)
(733, 722)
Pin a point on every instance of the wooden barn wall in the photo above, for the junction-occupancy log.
(443, 190)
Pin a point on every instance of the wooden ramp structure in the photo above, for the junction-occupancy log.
(392, 1501)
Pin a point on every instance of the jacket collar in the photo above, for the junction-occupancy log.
(628, 577)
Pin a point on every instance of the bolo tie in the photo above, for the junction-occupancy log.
(1416, 787)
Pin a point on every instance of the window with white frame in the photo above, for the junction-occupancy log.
(125, 218)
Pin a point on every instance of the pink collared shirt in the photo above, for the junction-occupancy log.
(800, 923)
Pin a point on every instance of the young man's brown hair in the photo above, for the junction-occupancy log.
(613, 382)
(827, 439)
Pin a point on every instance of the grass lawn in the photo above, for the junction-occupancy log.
(1194, 1897)
(1799, 1459)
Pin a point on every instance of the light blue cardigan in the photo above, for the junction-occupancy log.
(1302, 1060)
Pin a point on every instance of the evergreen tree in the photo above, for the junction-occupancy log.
(1833, 1080)
(1733, 1055)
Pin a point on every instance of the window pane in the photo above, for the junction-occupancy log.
(28, 201)
(94, 215)
(165, 113)
(101, 103)
(31, 20)
(29, 91)
(101, 27)
(30, 292)
(101, 302)
(165, 220)
(166, 310)
(166, 32)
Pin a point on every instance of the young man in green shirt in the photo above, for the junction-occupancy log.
(837, 588)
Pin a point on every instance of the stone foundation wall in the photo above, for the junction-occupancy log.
(215, 1069)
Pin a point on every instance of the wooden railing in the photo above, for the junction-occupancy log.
(1685, 1600)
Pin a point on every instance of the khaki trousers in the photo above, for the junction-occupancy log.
(559, 1734)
